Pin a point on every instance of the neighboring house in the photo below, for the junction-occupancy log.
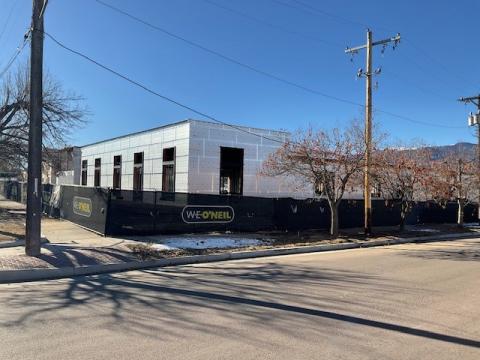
(61, 166)
(191, 156)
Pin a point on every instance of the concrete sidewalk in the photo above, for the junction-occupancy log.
(67, 260)
(66, 245)
(71, 250)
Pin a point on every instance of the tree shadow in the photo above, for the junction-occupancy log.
(71, 256)
(461, 251)
(164, 303)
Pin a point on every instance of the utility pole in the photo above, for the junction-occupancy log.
(34, 185)
(474, 120)
(460, 200)
(367, 192)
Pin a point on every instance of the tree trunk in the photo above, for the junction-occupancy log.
(402, 221)
(461, 204)
(403, 215)
(334, 219)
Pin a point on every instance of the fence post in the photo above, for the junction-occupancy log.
(155, 211)
(107, 214)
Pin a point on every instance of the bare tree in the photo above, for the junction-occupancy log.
(62, 112)
(454, 179)
(326, 160)
(402, 172)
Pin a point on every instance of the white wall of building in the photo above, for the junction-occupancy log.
(207, 138)
(151, 143)
(197, 161)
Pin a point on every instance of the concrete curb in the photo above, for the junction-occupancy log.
(13, 276)
(17, 242)
(12, 243)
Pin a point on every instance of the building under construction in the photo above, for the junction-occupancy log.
(189, 156)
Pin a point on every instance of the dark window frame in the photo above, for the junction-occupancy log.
(97, 174)
(117, 172)
(169, 170)
(138, 171)
(84, 178)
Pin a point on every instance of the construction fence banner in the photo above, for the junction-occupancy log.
(149, 212)
(85, 206)
(132, 212)
(123, 212)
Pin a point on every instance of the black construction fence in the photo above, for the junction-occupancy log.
(14, 190)
(85, 206)
(123, 212)
(127, 212)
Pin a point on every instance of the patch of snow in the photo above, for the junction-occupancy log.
(206, 242)
(426, 230)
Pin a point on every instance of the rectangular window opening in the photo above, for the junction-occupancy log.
(138, 171)
(231, 171)
(168, 170)
(97, 173)
(117, 172)
(84, 172)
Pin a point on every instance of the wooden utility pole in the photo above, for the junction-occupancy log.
(367, 191)
(34, 185)
(460, 197)
(474, 120)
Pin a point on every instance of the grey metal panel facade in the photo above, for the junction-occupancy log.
(197, 160)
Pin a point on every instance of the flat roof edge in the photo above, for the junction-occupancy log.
(233, 126)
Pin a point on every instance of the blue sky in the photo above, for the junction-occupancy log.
(435, 63)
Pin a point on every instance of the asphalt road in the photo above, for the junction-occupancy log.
(399, 302)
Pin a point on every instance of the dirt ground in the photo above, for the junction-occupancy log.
(12, 221)
(356, 234)
(144, 250)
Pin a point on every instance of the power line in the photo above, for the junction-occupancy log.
(317, 11)
(8, 20)
(312, 10)
(328, 14)
(229, 59)
(424, 70)
(425, 123)
(422, 89)
(15, 55)
(441, 65)
(271, 25)
(262, 72)
(153, 92)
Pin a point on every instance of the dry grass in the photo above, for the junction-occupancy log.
(145, 251)
(12, 224)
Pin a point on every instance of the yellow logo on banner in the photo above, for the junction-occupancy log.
(82, 206)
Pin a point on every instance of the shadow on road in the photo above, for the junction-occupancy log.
(461, 251)
(166, 302)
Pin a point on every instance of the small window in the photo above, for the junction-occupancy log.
(97, 173)
(169, 154)
(168, 170)
(117, 172)
(138, 158)
(84, 172)
(138, 171)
